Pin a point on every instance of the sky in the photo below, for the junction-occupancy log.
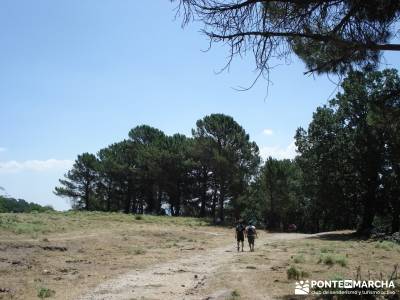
(77, 75)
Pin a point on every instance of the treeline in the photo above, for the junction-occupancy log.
(346, 174)
(11, 205)
(350, 154)
(154, 173)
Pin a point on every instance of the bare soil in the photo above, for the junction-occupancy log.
(113, 257)
(73, 262)
(189, 277)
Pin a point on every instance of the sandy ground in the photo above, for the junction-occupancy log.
(184, 278)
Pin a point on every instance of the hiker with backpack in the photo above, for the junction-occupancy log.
(239, 234)
(251, 235)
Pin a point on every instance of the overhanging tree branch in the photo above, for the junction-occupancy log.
(330, 36)
(317, 37)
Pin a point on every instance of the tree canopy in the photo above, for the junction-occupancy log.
(12, 205)
(328, 35)
(152, 172)
(346, 174)
(347, 157)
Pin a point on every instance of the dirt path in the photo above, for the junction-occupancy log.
(178, 279)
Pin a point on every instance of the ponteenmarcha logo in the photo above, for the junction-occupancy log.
(302, 287)
(315, 286)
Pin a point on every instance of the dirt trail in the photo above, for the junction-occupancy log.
(178, 279)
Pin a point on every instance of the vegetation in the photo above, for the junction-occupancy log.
(348, 157)
(45, 293)
(91, 245)
(386, 245)
(158, 174)
(96, 246)
(235, 295)
(298, 259)
(295, 273)
(347, 173)
(19, 206)
(329, 36)
(330, 259)
(59, 222)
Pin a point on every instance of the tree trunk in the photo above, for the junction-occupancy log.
(159, 199)
(236, 211)
(317, 226)
(368, 214)
(396, 215)
(128, 200)
(108, 207)
(134, 207)
(273, 218)
(371, 181)
(204, 195)
(221, 204)
(150, 199)
(396, 223)
(140, 208)
(87, 197)
(368, 218)
(214, 205)
(178, 201)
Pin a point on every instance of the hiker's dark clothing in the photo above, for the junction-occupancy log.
(240, 232)
(250, 239)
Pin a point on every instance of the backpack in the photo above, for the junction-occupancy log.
(240, 228)
(251, 230)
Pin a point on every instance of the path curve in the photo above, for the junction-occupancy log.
(177, 279)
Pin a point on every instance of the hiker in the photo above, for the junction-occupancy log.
(239, 234)
(251, 235)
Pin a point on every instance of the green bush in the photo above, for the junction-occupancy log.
(298, 259)
(235, 295)
(326, 250)
(330, 260)
(385, 245)
(45, 293)
(293, 273)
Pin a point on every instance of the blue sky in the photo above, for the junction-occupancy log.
(77, 75)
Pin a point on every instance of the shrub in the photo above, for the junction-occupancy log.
(235, 295)
(45, 293)
(326, 250)
(293, 273)
(298, 259)
(333, 259)
(385, 245)
(341, 260)
(304, 274)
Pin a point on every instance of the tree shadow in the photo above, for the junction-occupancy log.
(340, 236)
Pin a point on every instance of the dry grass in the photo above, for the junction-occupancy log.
(280, 263)
(37, 224)
(62, 255)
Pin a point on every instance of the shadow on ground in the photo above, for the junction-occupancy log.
(339, 236)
